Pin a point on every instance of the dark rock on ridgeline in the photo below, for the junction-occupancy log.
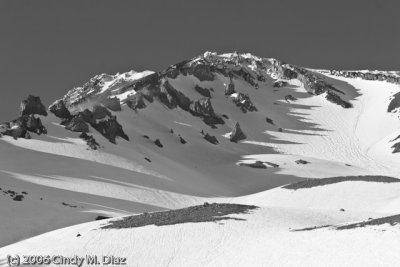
(77, 124)
(237, 134)
(367, 76)
(334, 98)
(203, 91)
(211, 138)
(33, 105)
(136, 101)
(243, 101)
(280, 84)
(59, 109)
(112, 103)
(203, 108)
(203, 72)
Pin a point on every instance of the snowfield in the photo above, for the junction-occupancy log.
(68, 186)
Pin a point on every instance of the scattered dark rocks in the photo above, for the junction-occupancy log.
(203, 213)
(257, 165)
(33, 105)
(300, 161)
(203, 91)
(280, 84)
(157, 142)
(237, 134)
(309, 183)
(90, 141)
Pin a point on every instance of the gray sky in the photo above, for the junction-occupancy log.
(47, 46)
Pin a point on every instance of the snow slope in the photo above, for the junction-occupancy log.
(68, 184)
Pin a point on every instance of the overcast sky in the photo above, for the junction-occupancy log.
(47, 47)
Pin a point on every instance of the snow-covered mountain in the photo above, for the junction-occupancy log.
(224, 128)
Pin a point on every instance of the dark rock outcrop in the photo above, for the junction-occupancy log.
(90, 141)
(157, 142)
(110, 129)
(203, 108)
(237, 134)
(20, 128)
(230, 88)
(136, 101)
(211, 138)
(335, 98)
(33, 105)
(203, 91)
(290, 98)
(177, 97)
(256, 165)
(77, 124)
(243, 101)
(280, 84)
(59, 109)
(394, 103)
